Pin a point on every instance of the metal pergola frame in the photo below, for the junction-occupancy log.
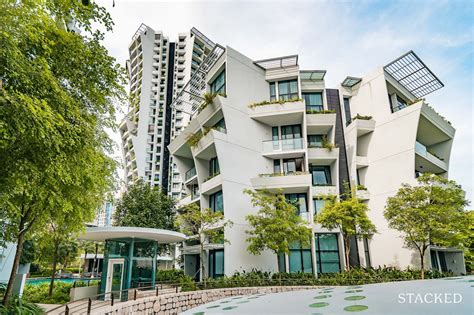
(278, 62)
(321, 73)
(412, 73)
(350, 81)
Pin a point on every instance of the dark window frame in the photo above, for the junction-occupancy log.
(300, 251)
(212, 263)
(214, 167)
(290, 95)
(327, 172)
(313, 107)
(221, 88)
(318, 250)
(296, 199)
(213, 201)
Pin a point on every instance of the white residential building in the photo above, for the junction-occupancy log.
(104, 215)
(158, 68)
(380, 142)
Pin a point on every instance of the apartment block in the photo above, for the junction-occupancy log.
(275, 126)
(158, 68)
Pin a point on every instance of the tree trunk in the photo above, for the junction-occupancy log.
(16, 263)
(95, 260)
(201, 261)
(422, 256)
(85, 262)
(347, 242)
(55, 255)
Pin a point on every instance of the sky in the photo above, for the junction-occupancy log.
(346, 38)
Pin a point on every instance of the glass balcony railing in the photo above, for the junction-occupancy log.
(283, 145)
(190, 174)
(420, 149)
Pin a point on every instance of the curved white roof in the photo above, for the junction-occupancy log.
(100, 234)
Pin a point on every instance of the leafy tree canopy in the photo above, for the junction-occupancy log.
(145, 206)
(276, 225)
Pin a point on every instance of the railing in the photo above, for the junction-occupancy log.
(190, 173)
(283, 145)
(421, 149)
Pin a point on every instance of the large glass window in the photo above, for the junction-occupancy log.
(321, 175)
(315, 141)
(318, 205)
(292, 165)
(218, 85)
(216, 202)
(314, 101)
(399, 104)
(300, 259)
(216, 263)
(367, 253)
(291, 132)
(276, 166)
(272, 91)
(214, 167)
(287, 90)
(281, 262)
(299, 201)
(220, 125)
(327, 253)
(347, 110)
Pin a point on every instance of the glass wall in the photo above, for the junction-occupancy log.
(216, 202)
(327, 253)
(299, 201)
(321, 175)
(300, 259)
(218, 85)
(287, 90)
(313, 101)
(214, 167)
(216, 263)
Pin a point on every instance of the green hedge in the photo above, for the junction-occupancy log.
(352, 277)
(169, 275)
(20, 306)
(38, 293)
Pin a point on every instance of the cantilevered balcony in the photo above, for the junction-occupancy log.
(275, 114)
(323, 156)
(288, 183)
(324, 190)
(428, 162)
(362, 193)
(320, 123)
(362, 125)
(283, 148)
(212, 184)
(190, 175)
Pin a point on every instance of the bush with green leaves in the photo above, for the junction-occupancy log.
(17, 305)
(169, 275)
(39, 293)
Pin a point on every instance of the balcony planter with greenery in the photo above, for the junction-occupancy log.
(193, 140)
(212, 176)
(282, 174)
(263, 103)
(326, 111)
(327, 144)
(362, 117)
(361, 187)
(208, 99)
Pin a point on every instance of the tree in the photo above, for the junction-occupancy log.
(145, 206)
(469, 243)
(348, 215)
(205, 224)
(276, 225)
(57, 94)
(429, 213)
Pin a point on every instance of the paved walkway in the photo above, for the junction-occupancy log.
(440, 296)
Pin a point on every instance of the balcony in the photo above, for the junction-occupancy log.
(362, 125)
(190, 175)
(274, 114)
(289, 183)
(212, 185)
(284, 148)
(361, 161)
(362, 193)
(428, 162)
(323, 156)
(320, 123)
(328, 190)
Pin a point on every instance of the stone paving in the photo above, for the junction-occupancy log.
(438, 296)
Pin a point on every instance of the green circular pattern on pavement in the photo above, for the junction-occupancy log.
(354, 298)
(354, 287)
(324, 296)
(455, 278)
(229, 308)
(225, 301)
(198, 313)
(242, 302)
(320, 304)
(355, 308)
(236, 298)
(354, 291)
(213, 306)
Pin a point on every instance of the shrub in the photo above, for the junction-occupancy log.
(263, 103)
(169, 275)
(326, 111)
(361, 187)
(39, 293)
(194, 139)
(17, 305)
(361, 117)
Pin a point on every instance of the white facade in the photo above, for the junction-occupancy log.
(157, 69)
(104, 215)
(278, 147)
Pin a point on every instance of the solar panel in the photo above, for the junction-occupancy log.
(413, 74)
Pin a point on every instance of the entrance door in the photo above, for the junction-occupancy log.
(115, 278)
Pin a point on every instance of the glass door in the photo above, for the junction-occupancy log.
(115, 277)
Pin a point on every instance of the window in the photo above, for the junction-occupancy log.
(314, 101)
(299, 201)
(272, 91)
(315, 141)
(291, 132)
(214, 167)
(327, 253)
(216, 202)
(321, 175)
(367, 253)
(216, 263)
(400, 103)
(300, 259)
(281, 262)
(347, 110)
(276, 166)
(318, 205)
(220, 125)
(218, 85)
(292, 165)
(287, 90)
